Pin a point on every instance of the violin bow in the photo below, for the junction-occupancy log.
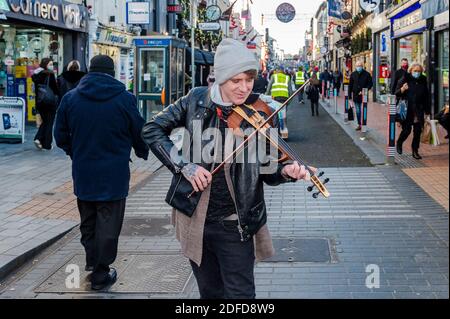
(242, 146)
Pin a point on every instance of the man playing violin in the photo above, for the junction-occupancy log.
(222, 229)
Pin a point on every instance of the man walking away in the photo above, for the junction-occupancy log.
(97, 125)
(399, 75)
(313, 93)
(337, 80)
(359, 80)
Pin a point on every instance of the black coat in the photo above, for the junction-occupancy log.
(397, 75)
(260, 85)
(358, 82)
(68, 81)
(40, 77)
(417, 96)
(246, 178)
(97, 125)
(313, 92)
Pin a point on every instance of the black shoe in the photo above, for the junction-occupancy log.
(313, 114)
(89, 268)
(110, 280)
(416, 155)
(358, 128)
(399, 149)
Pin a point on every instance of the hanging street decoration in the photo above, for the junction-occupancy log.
(285, 12)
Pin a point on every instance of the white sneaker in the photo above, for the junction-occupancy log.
(38, 144)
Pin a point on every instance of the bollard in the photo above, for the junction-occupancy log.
(390, 150)
(365, 93)
(330, 91)
(323, 90)
(335, 100)
(346, 104)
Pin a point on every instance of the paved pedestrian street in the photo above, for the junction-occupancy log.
(379, 235)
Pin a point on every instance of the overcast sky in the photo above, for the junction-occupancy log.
(290, 36)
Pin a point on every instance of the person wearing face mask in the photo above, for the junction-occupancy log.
(413, 88)
(359, 80)
(45, 76)
(399, 74)
(223, 229)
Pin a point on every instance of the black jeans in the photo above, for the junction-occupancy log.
(227, 268)
(314, 106)
(406, 130)
(101, 223)
(45, 132)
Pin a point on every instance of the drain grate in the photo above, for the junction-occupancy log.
(314, 250)
(151, 226)
(136, 273)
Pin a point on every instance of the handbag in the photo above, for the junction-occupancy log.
(45, 95)
(402, 110)
(426, 137)
(351, 114)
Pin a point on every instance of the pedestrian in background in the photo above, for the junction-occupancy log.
(260, 84)
(337, 81)
(413, 88)
(399, 74)
(324, 78)
(45, 86)
(313, 94)
(300, 79)
(69, 79)
(359, 80)
(97, 125)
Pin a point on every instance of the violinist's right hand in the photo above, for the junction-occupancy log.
(199, 177)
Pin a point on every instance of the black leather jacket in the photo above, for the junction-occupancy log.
(247, 182)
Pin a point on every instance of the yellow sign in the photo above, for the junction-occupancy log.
(21, 72)
(31, 101)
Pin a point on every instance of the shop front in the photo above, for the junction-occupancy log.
(34, 30)
(438, 16)
(382, 66)
(117, 45)
(409, 36)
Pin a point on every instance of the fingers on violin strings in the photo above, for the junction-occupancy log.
(302, 173)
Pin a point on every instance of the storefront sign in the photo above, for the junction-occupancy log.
(209, 26)
(138, 12)
(408, 21)
(55, 13)
(115, 38)
(175, 8)
(12, 125)
(151, 42)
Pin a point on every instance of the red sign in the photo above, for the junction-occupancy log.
(384, 72)
(251, 45)
(176, 8)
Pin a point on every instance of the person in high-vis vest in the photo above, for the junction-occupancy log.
(280, 88)
(300, 79)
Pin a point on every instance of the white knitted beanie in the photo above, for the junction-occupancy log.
(232, 57)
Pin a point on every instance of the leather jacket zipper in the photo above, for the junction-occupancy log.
(167, 156)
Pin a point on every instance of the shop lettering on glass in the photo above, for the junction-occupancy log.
(408, 20)
(36, 8)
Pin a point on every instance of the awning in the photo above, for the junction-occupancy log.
(430, 8)
(200, 57)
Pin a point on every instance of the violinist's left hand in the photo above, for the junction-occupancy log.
(297, 172)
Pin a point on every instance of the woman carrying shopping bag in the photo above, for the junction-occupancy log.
(413, 88)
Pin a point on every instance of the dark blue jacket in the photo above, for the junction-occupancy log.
(97, 124)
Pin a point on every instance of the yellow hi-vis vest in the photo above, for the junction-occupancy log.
(280, 86)
(299, 78)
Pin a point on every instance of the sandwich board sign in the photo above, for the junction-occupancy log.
(12, 125)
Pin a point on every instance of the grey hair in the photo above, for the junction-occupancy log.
(415, 65)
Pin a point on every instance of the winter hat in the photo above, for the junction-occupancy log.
(103, 64)
(232, 57)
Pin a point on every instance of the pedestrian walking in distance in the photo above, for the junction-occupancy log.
(313, 94)
(359, 80)
(70, 78)
(399, 74)
(97, 125)
(223, 229)
(413, 88)
(45, 81)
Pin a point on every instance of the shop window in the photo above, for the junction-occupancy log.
(443, 69)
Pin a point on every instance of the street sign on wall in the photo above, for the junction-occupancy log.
(138, 12)
(209, 26)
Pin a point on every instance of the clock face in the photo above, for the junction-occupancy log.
(213, 13)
